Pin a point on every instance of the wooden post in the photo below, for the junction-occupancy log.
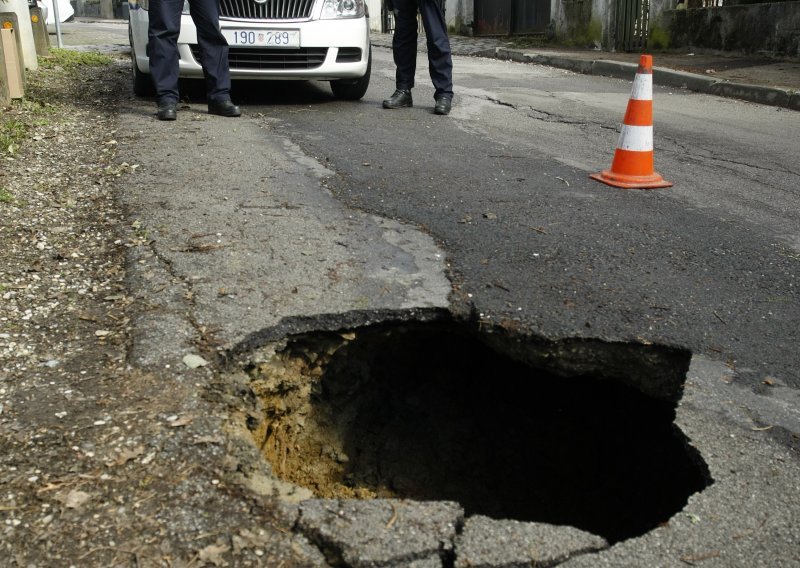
(23, 27)
(4, 96)
(40, 37)
(10, 22)
(13, 63)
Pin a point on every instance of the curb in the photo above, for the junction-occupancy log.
(772, 96)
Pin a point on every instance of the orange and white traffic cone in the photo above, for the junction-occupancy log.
(632, 167)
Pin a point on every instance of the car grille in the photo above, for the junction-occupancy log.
(269, 58)
(269, 10)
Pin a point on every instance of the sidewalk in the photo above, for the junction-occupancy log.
(754, 78)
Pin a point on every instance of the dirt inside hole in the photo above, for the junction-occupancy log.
(430, 412)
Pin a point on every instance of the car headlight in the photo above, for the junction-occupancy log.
(333, 9)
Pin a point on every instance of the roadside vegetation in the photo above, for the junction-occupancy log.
(21, 122)
(73, 60)
(82, 434)
(62, 305)
(12, 132)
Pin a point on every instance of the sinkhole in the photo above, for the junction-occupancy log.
(574, 432)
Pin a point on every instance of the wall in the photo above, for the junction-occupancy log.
(582, 23)
(105, 9)
(458, 14)
(774, 28)
(374, 7)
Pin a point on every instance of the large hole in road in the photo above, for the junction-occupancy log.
(448, 412)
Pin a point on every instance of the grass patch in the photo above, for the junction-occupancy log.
(73, 60)
(529, 42)
(12, 133)
(5, 197)
(45, 90)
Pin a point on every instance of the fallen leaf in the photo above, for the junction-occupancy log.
(88, 317)
(213, 553)
(76, 498)
(182, 421)
(208, 440)
(127, 455)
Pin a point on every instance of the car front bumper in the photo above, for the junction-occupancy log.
(332, 42)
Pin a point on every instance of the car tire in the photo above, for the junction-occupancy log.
(142, 82)
(352, 89)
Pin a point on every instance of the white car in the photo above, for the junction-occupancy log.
(65, 11)
(325, 40)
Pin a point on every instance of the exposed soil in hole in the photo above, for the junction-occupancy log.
(430, 412)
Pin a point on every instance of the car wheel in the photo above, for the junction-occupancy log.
(142, 82)
(352, 89)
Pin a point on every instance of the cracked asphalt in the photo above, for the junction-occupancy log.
(252, 247)
(271, 229)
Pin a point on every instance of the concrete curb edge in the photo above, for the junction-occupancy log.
(772, 96)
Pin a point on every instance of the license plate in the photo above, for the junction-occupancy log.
(262, 38)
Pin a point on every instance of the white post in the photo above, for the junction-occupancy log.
(106, 9)
(25, 31)
(57, 20)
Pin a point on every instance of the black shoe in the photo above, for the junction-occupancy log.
(401, 98)
(167, 111)
(223, 108)
(442, 105)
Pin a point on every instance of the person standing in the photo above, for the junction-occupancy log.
(404, 50)
(164, 28)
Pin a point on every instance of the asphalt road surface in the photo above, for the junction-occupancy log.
(502, 184)
(333, 214)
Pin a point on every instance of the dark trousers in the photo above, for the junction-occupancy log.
(165, 26)
(404, 45)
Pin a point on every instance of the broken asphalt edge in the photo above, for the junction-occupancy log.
(772, 96)
(729, 518)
